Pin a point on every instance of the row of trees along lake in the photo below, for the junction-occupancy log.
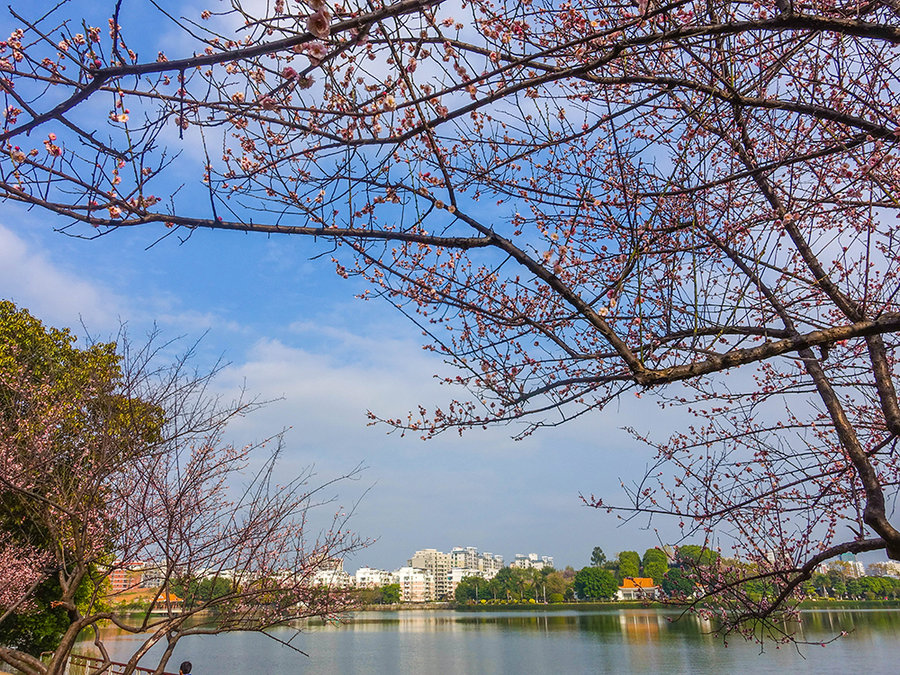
(676, 578)
(598, 581)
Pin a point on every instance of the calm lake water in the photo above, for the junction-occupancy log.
(612, 641)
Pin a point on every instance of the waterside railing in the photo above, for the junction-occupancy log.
(80, 664)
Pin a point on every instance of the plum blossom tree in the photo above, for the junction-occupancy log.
(576, 201)
(109, 463)
(20, 569)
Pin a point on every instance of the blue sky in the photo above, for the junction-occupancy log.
(293, 331)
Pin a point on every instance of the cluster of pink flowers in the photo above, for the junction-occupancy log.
(52, 148)
(20, 567)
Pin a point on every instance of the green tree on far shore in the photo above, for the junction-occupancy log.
(677, 583)
(198, 591)
(655, 564)
(472, 589)
(692, 556)
(594, 583)
(629, 565)
(390, 594)
(558, 584)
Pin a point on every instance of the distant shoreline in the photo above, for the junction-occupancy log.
(587, 606)
(523, 606)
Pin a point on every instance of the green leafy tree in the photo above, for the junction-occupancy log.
(390, 594)
(367, 596)
(41, 627)
(838, 583)
(598, 557)
(655, 564)
(514, 583)
(194, 592)
(808, 588)
(557, 582)
(106, 456)
(471, 589)
(629, 565)
(594, 583)
(821, 583)
(854, 588)
(676, 583)
(95, 415)
(692, 556)
(381, 595)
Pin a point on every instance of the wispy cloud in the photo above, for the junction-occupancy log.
(481, 489)
(34, 281)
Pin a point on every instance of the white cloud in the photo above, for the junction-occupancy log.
(33, 281)
(480, 489)
(329, 389)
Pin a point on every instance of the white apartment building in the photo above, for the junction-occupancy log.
(366, 577)
(415, 585)
(852, 569)
(331, 573)
(532, 561)
(332, 579)
(470, 559)
(490, 562)
(464, 558)
(887, 568)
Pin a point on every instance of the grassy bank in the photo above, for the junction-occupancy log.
(405, 606)
(514, 606)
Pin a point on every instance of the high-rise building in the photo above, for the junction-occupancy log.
(439, 565)
(465, 558)
(469, 558)
(416, 585)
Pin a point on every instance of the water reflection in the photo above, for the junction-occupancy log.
(613, 641)
(634, 625)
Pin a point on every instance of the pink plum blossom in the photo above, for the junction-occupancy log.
(319, 23)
